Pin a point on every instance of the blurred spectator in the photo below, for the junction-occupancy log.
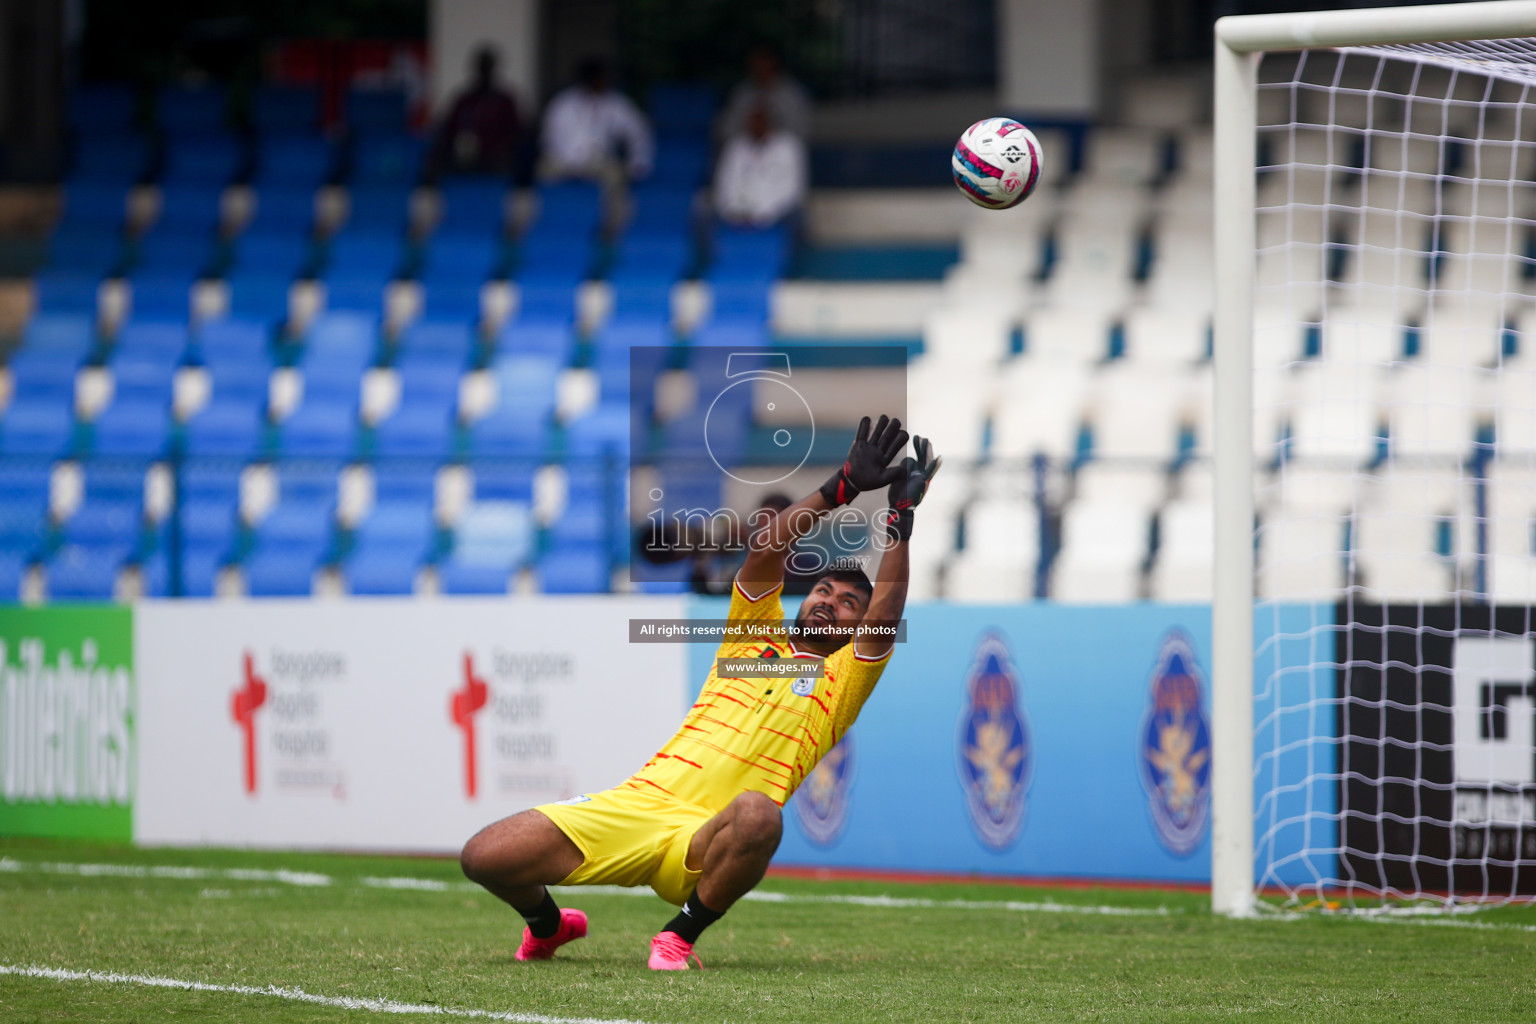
(481, 132)
(769, 88)
(593, 131)
(761, 177)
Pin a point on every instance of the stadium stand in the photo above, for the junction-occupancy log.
(233, 306)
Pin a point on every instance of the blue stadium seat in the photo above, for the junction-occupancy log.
(415, 430)
(280, 572)
(13, 566)
(389, 547)
(546, 305)
(606, 429)
(646, 303)
(168, 254)
(187, 111)
(731, 335)
(376, 111)
(115, 159)
(45, 375)
(386, 160)
(379, 209)
(201, 161)
(444, 300)
(230, 425)
(349, 335)
(749, 254)
(162, 295)
(740, 303)
(102, 108)
(571, 207)
(235, 341)
(209, 524)
(258, 296)
(294, 162)
(42, 428)
(286, 110)
(23, 514)
(93, 208)
(555, 258)
(677, 108)
(283, 255)
(199, 566)
(151, 338)
(662, 209)
(282, 210)
(80, 572)
(519, 422)
(132, 427)
(673, 578)
(680, 162)
(72, 333)
(651, 260)
(473, 205)
(66, 292)
(320, 428)
(92, 254)
(582, 569)
(461, 257)
(497, 480)
(410, 482)
(552, 338)
(491, 541)
(446, 341)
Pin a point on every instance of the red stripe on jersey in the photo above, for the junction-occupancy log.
(653, 785)
(679, 757)
(728, 725)
(739, 689)
(695, 728)
(732, 756)
(781, 764)
(733, 700)
(819, 704)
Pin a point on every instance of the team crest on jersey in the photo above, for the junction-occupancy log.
(1175, 748)
(995, 747)
(821, 802)
(803, 687)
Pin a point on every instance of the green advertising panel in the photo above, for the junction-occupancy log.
(67, 722)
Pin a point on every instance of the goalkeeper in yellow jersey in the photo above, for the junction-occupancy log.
(701, 820)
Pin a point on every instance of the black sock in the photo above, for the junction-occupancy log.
(691, 921)
(544, 919)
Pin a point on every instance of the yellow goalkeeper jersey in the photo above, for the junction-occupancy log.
(762, 733)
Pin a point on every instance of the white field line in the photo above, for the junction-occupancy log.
(1403, 916)
(306, 878)
(298, 995)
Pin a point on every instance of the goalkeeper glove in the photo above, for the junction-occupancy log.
(907, 491)
(869, 462)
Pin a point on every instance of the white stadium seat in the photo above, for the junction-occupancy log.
(1002, 547)
(1332, 411)
(1039, 409)
(1300, 557)
(1103, 547)
(1137, 411)
(1182, 570)
(1433, 410)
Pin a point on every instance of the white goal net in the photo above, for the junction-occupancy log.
(1394, 399)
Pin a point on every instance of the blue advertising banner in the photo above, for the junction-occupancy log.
(1060, 741)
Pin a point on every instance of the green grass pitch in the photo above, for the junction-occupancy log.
(931, 953)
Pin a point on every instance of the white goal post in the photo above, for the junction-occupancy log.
(1239, 44)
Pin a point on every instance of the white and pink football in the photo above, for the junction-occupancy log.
(996, 163)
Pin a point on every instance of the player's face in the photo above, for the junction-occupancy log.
(832, 603)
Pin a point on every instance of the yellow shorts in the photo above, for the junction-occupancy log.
(629, 837)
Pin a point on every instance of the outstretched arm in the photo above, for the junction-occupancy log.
(868, 466)
(890, 597)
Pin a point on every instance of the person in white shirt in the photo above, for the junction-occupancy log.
(593, 131)
(766, 86)
(761, 176)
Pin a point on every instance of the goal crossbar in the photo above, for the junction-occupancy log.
(1240, 41)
